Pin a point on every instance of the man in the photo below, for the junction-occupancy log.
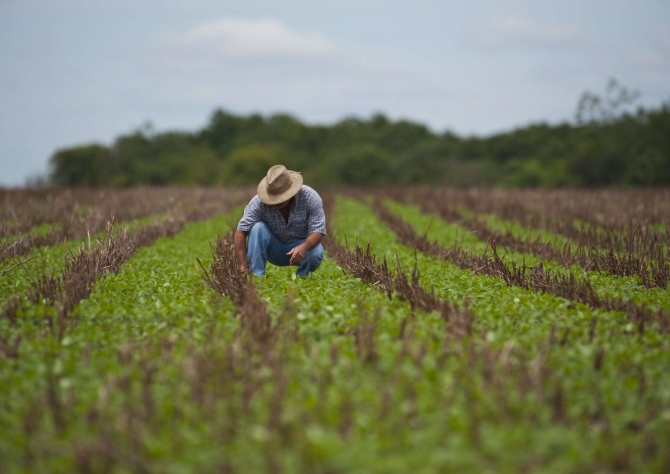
(285, 223)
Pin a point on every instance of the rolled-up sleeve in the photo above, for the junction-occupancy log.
(252, 214)
(316, 219)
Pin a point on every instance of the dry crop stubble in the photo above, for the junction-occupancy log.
(537, 277)
(69, 386)
(65, 289)
(447, 234)
(362, 264)
(648, 263)
(624, 221)
(636, 256)
(335, 373)
(87, 212)
(603, 355)
(228, 281)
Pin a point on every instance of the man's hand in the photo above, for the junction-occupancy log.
(297, 253)
(243, 269)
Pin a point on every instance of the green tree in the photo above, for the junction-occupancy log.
(366, 165)
(532, 173)
(80, 166)
(596, 109)
(248, 165)
(609, 145)
(426, 163)
(222, 131)
(650, 168)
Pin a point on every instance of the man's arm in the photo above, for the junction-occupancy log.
(298, 252)
(241, 249)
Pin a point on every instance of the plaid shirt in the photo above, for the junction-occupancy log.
(306, 216)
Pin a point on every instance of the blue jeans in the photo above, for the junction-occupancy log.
(264, 246)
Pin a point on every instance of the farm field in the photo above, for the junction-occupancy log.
(447, 330)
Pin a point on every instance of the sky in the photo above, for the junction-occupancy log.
(80, 71)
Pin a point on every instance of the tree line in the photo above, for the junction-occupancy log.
(609, 144)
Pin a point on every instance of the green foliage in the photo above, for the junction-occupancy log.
(82, 165)
(197, 170)
(152, 374)
(512, 317)
(48, 260)
(531, 173)
(446, 234)
(244, 165)
(608, 146)
(360, 166)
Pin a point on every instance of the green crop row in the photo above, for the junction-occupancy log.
(513, 316)
(157, 296)
(448, 234)
(50, 259)
(156, 373)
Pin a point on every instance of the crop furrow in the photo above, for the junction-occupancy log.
(23, 209)
(497, 309)
(637, 224)
(64, 289)
(327, 373)
(154, 306)
(85, 212)
(624, 287)
(649, 264)
(362, 264)
(606, 285)
(536, 278)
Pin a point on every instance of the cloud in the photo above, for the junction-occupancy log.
(235, 38)
(662, 39)
(505, 30)
(646, 59)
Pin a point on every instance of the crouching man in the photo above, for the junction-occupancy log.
(284, 222)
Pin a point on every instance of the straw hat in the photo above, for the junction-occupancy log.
(279, 185)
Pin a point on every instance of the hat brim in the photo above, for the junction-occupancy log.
(272, 199)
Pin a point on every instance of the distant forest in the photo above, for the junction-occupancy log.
(610, 143)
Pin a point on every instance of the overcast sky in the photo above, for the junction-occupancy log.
(80, 71)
